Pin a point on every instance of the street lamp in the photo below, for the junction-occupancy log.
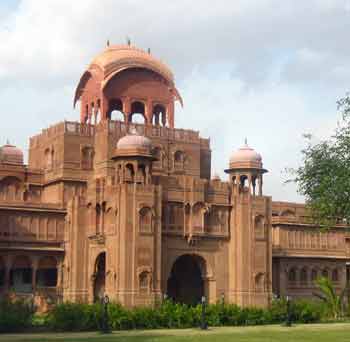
(204, 324)
(105, 324)
(289, 312)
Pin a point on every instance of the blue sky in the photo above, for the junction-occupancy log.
(262, 69)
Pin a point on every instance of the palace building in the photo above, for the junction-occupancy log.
(123, 203)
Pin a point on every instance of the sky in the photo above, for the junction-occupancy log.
(265, 70)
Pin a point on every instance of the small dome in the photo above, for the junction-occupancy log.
(246, 157)
(10, 154)
(134, 141)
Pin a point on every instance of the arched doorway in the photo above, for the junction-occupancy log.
(185, 283)
(100, 276)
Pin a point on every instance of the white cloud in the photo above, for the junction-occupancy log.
(266, 69)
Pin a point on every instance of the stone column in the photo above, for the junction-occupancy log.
(260, 185)
(148, 112)
(8, 266)
(34, 271)
(127, 109)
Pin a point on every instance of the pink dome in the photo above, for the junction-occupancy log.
(245, 157)
(10, 154)
(134, 141)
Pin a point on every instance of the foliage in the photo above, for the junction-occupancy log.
(324, 177)
(76, 317)
(15, 315)
(329, 296)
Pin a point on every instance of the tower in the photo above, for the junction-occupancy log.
(126, 81)
(250, 245)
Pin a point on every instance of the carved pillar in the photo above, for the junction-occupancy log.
(170, 114)
(127, 109)
(8, 266)
(34, 271)
(149, 112)
(260, 185)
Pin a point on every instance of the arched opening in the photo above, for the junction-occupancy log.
(46, 274)
(159, 115)
(157, 154)
(179, 160)
(186, 283)
(145, 220)
(137, 114)
(21, 274)
(335, 275)
(87, 154)
(115, 110)
(314, 275)
(325, 273)
(303, 275)
(141, 174)
(129, 173)
(144, 282)
(292, 275)
(100, 277)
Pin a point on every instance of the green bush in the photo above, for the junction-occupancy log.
(76, 317)
(15, 315)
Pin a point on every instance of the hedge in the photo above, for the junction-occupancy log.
(15, 315)
(79, 317)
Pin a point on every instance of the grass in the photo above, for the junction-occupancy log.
(338, 332)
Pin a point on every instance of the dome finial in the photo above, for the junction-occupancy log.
(245, 141)
(128, 41)
(107, 42)
(7, 141)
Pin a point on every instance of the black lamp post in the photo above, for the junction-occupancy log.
(204, 324)
(105, 323)
(289, 312)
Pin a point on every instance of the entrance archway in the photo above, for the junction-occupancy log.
(186, 283)
(100, 277)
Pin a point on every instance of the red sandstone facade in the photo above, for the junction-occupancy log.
(129, 209)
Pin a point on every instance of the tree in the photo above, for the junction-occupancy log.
(324, 177)
(330, 297)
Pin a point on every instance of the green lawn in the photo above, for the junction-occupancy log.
(316, 332)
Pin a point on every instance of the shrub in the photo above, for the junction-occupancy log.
(15, 315)
(75, 317)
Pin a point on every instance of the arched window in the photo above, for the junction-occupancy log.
(48, 159)
(157, 153)
(303, 275)
(115, 110)
(145, 220)
(259, 227)
(198, 212)
(144, 281)
(314, 275)
(21, 274)
(292, 275)
(335, 275)
(129, 173)
(137, 114)
(141, 175)
(325, 273)
(179, 159)
(87, 158)
(47, 272)
(259, 282)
